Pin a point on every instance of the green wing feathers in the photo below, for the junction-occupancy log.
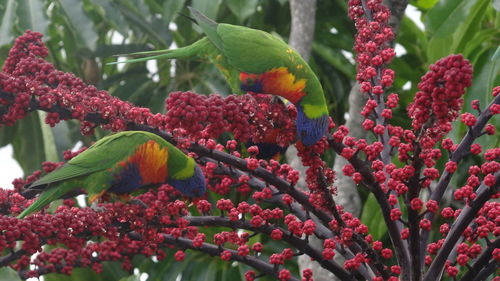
(121, 164)
(49, 195)
(101, 155)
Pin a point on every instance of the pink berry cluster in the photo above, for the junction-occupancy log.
(373, 53)
(254, 117)
(439, 100)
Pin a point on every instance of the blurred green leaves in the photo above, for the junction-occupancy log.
(31, 16)
(373, 218)
(7, 21)
(242, 8)
(8, 274)
(79, 23)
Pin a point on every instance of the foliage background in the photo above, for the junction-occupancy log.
(83, 35)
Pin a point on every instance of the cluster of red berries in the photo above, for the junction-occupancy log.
(259, 118)
(439, 100)
(373, 52)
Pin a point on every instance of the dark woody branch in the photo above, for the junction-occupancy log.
(463, 220)
(481, 262)
(300, 244)
(369, 181)
(214, 250)
(457, 156)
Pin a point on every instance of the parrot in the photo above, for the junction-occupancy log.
(120, 164)
(255, 61)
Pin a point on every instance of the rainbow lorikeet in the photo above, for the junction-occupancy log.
(121, 164)
(255, 61)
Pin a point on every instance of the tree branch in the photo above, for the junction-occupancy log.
(413, 215)
(466, 216)
(369, 181)
(298, 243)
(481, 262)
(214, 250)
(457, 156)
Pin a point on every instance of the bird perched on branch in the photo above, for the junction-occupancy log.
(255, 61)
(121, 164)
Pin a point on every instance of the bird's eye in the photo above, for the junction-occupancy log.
(250, 81)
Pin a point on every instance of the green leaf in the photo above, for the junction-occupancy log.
(470, 26)
(6, 25)
(63, 140)
(171, 8)
(337, 60)
(113, 16)
(164, 270)
(208, 8)
(9, 274)
(443, 19)
(486, 70)
(439, 47)
(242, 8)
(7, 135)
(136, 18)
(493, 69)
(49, 144)
(110, 271)
(28, 144)
(413, 39)
(482, 37)
(32, 15)
(425, 4)
(105, 51)
(447, 25)
(373, 218)
(486, 74)
(80, 23)
(208, 272)
(132, 277)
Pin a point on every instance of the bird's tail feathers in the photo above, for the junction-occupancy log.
(143, 53)
(183, 52)
(49, 195)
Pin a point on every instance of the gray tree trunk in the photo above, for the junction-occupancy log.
(303, 21)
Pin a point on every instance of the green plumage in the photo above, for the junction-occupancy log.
(121, 163)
